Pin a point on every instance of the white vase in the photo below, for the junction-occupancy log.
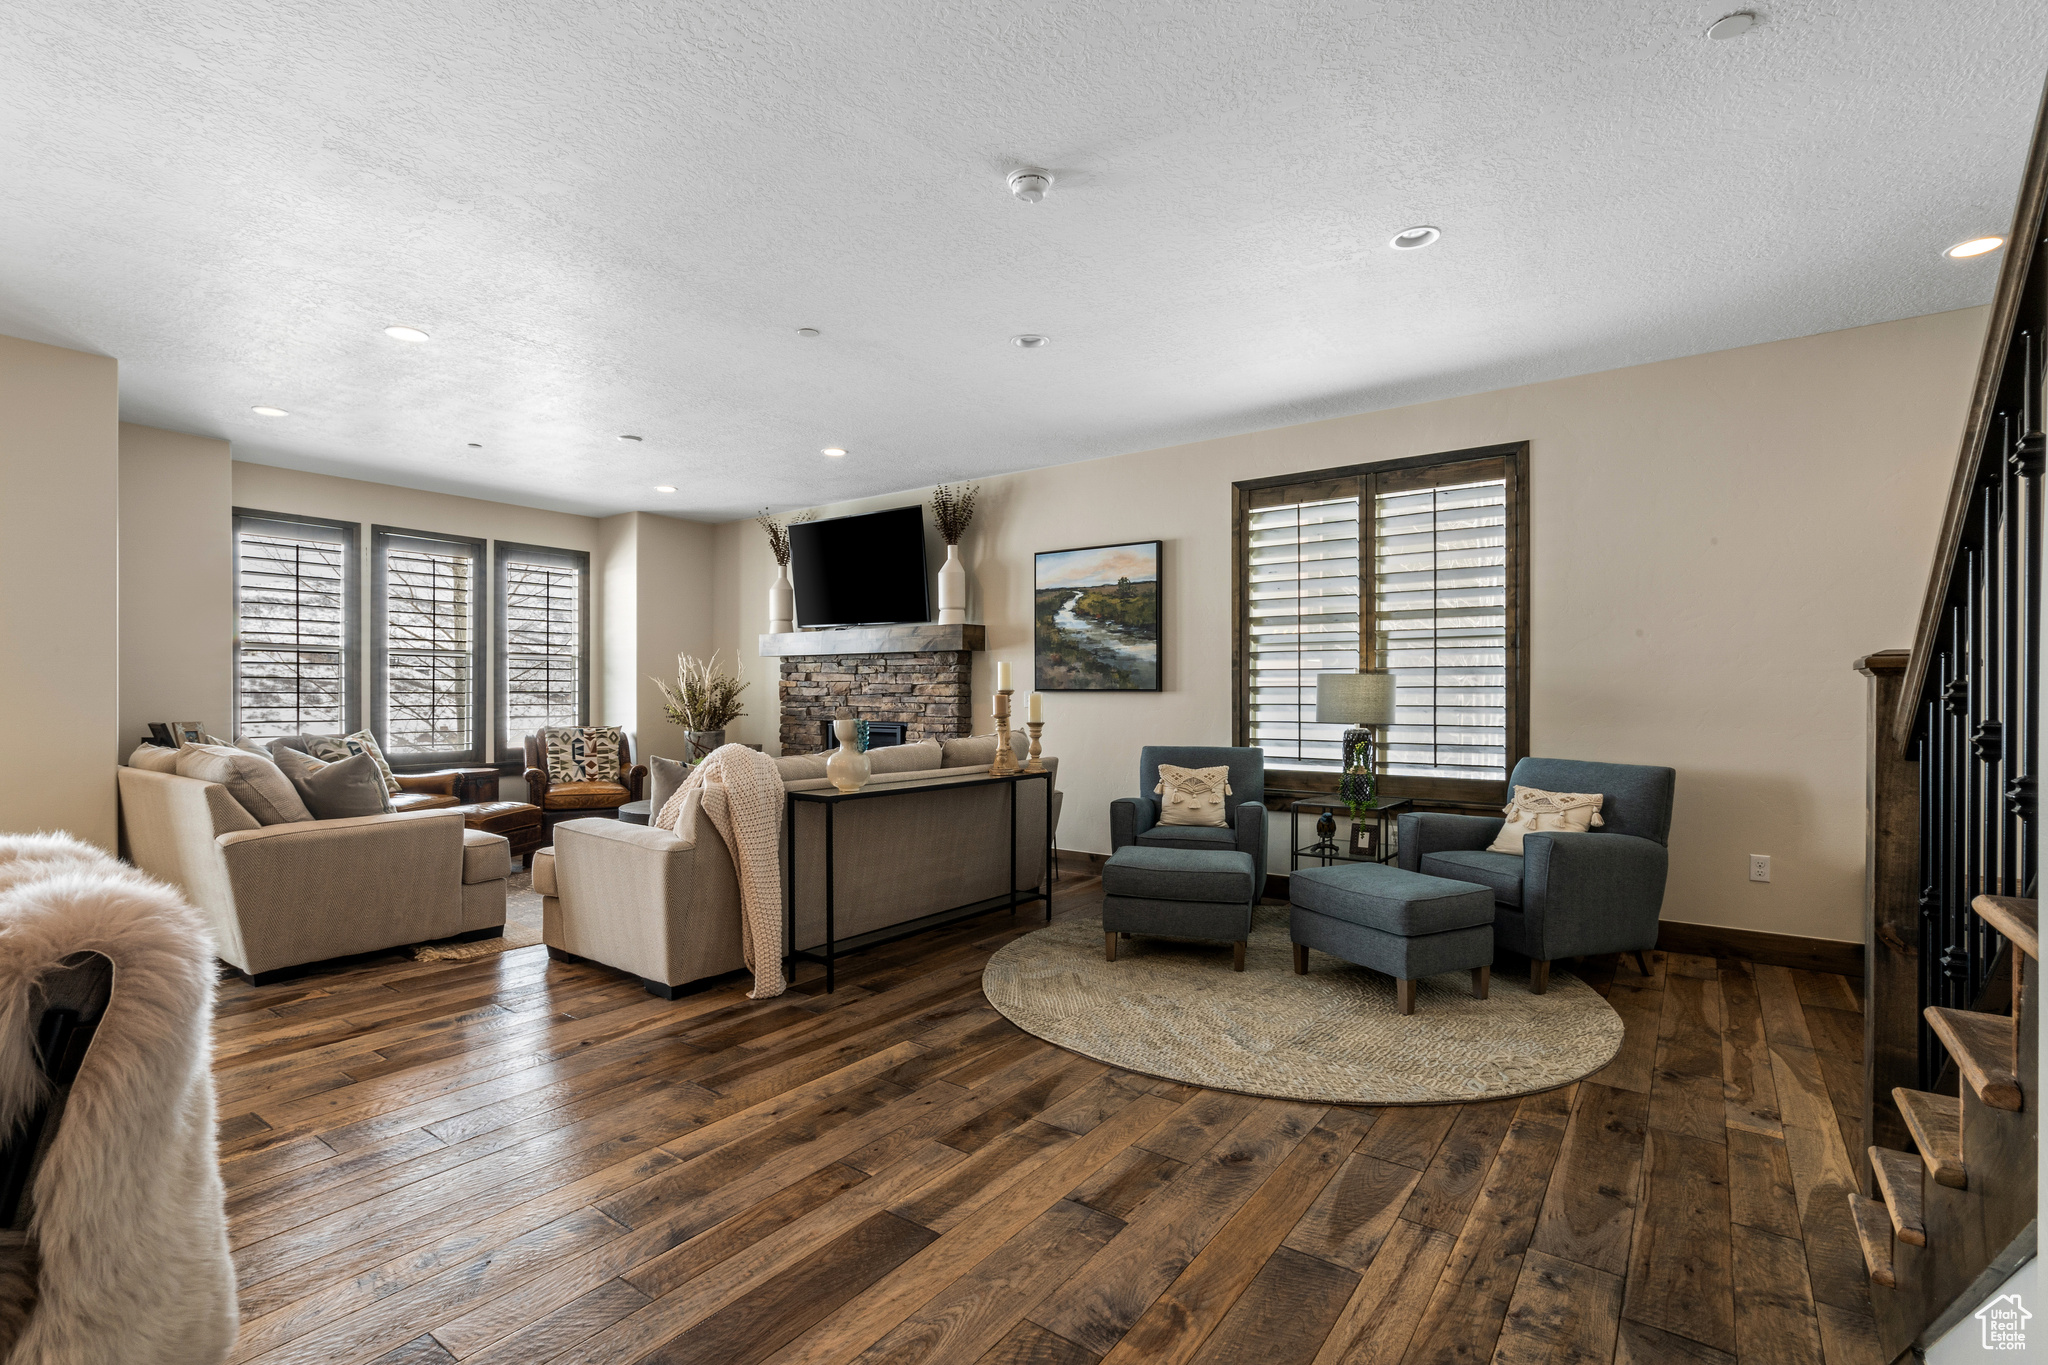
(952, 589)
(781, 603)
(848, 767)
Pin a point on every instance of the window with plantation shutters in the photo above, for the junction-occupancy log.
(428, 638)
(543, 640)
(294, 625)
(1417, 567)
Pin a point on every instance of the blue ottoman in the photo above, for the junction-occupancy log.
(1179, 893)
(1402, 923)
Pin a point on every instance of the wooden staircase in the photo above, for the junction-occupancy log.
(1956, 1216)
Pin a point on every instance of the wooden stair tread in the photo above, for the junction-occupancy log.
(1983, 1048)
(1936, 1123)
(1899, 1176)
(1874, 1235)
(2015, 918)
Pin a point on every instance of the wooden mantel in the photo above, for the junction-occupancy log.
(913, 639)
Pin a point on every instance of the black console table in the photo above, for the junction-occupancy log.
(832, 800)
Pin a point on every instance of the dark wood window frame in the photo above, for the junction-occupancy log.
(380, 538)
(1361, 480)
(352, 598)
(511, 748)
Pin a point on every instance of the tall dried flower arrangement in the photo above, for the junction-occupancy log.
(778, 532)
(703, 697)
(953, 510)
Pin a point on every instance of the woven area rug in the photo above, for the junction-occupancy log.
(1176, 1010)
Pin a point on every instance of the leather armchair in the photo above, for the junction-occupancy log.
(1135, 819)
(1565, 895)
(582, 797)
(426, 791)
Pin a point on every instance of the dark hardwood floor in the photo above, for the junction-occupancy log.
(514, 1160)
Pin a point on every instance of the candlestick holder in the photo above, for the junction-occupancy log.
(1034, 765)
(1006, 758)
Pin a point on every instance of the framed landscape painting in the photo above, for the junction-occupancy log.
(1095, 619)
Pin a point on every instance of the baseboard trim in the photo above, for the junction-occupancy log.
(1839, 956)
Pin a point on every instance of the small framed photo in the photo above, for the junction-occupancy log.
(188, 732)
(1365, 839)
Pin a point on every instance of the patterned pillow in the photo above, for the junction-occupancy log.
(588, 753)
(1193, 796)
(1541, 812)
(326, 748)
(363, 742)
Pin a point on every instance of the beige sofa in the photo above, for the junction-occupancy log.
(666, 907)
(283, 896)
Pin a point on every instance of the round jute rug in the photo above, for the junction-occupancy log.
(1175, 1009)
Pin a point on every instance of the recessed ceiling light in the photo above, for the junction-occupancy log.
(1732, 25)
(629, 438)
(806, 331)
(834, 451)
(406, 333)
(1976, 246)
(1030, 341)
(664, 488)
(1409, 239)
(270, 412)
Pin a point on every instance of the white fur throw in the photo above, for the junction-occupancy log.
(750, 822)
(128, 1223)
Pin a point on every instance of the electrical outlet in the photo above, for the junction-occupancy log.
(1759, 867)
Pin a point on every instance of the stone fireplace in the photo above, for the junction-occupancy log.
(920, 675)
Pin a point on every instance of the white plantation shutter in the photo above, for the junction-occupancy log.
(429, 669)
(293, 626)
(1440, 573)
(1412, 568)
(1302, 603)
(543, 635)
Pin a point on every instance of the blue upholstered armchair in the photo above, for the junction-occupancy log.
(1135, 819)
(1566, 895)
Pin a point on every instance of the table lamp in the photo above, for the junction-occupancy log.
(1364, 701)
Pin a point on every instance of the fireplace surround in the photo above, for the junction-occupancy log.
(919, 677)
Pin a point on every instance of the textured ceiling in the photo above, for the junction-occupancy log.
(612, 217)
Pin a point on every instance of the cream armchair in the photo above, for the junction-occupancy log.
(283, 896)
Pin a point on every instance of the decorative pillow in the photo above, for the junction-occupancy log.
(361, 742)
(588, 753)
(155, 758)
(1192, 796)
(1534, 812)
(256, 783)
(326, 748)
(250, 746)
(922, 756)
(336, 791)
(664, 775)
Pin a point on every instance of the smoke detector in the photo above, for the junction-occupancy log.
(1030, 183)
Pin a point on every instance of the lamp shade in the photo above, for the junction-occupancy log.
(1354, 699)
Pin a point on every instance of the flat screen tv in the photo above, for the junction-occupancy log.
(860, 571)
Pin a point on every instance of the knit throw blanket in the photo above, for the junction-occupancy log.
(750, 822)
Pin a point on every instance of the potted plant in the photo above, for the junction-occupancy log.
(952, 513)
(781, 595)
(704, 699)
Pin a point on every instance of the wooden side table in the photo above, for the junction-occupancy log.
(476, 785)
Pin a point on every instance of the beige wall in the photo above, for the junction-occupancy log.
(177, 598)
(1714, 539)
(59, 588)
(656, 574)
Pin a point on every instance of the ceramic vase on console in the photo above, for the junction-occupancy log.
(782, 603)
(952, 589)
(848, 767)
